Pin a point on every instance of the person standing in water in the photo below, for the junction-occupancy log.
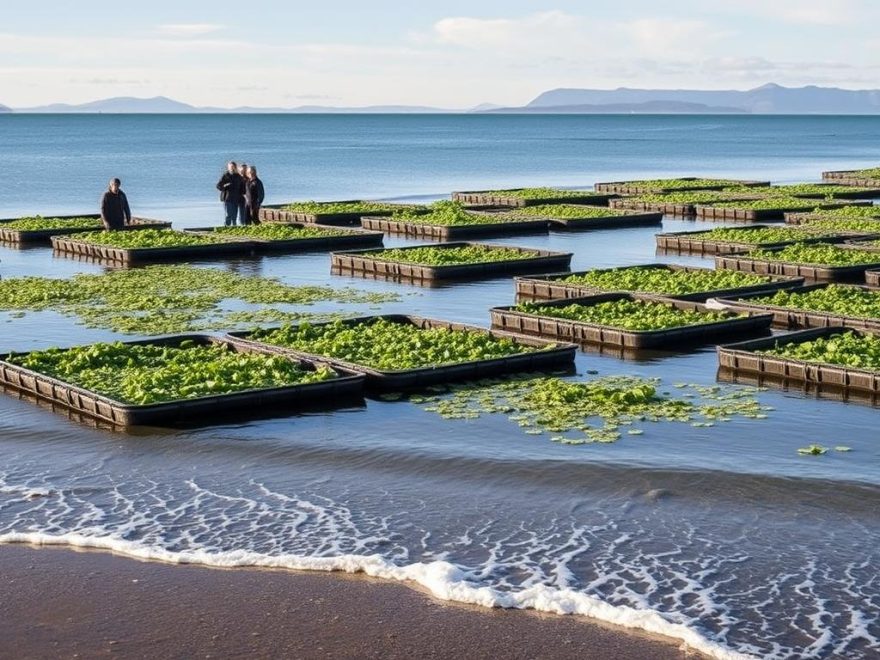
(253, 196)
(231, 187)
(115, 212)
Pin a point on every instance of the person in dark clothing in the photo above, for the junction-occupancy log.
(242, 211)
(115, 213)
(253, 196)
(231, 187)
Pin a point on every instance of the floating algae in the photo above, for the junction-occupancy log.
(581, 412)
(169, 299)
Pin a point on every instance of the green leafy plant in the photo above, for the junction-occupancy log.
(759, 235)
(638, 315)
(390, 346)
(448, 214)
(148, 374)
(834, 298)
(692, 197)
(39, 223)
(279, 232)
(144, 239)
(568, 211)
(769, 203)
(845, 348)
(541, 193)
(364, 207)
(450, 256)
(819, 254)
(680, 184)
(796, 189)
(813, 450)
(594, 410)
(169, 299)
(663, 280)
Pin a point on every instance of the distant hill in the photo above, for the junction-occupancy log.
(767, 99)
(4, 108)
(649, 107)
(163, 104)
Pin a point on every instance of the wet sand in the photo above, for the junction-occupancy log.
(59, 603)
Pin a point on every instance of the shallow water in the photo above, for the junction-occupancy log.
(724, 535)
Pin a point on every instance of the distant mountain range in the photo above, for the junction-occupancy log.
(767, 99)
(165, 105)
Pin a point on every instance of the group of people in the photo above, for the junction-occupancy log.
(242, 193)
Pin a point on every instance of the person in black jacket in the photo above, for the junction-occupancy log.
(253, 196)
(231, 187)
(115, 213)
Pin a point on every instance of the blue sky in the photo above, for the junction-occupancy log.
(450, 54)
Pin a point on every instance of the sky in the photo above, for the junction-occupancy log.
(450, 54)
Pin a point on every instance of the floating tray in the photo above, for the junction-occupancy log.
(743, 358)
(549, 287)
(850, 178)
(709, 212)
(508, 319)
(872, 277)
(637, 188)
(358, 261)
(277, 213)
(453, 232)
(36, 236)
(665, 208)
(800, 218)
(610, 222)
(353, 238)
(224, 247)
(820, 391)
(99, 406)
(553, 356)
(790, 317)
(485, 198)
(745, 264)
(691, 241)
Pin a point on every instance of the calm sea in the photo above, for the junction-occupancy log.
(722, 536)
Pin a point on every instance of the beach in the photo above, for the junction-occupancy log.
(66, 604)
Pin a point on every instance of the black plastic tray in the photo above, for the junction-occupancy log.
(352, 238)
(277, 213)
(791, 317)
(691, 241)
(548, 286)
(453, 232)
(484, 197)
(745, 264)
(509, 319)
(641, 188)
(44, 236)
(224, 247)
(560, 355)
(359, 261)
(743, 358)
(96, 405)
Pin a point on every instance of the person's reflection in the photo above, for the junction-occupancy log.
(247, 267)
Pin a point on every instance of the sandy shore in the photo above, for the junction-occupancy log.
(63, 603)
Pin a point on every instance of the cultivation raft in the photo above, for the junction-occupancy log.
(541, 356)
(345, 387)
(370, 263)
(511, 319)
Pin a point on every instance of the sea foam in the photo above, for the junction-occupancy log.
(442, 579)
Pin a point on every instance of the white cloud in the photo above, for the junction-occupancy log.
(189, 29)
(807, 12)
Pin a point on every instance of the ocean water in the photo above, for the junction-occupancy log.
(723, 537)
